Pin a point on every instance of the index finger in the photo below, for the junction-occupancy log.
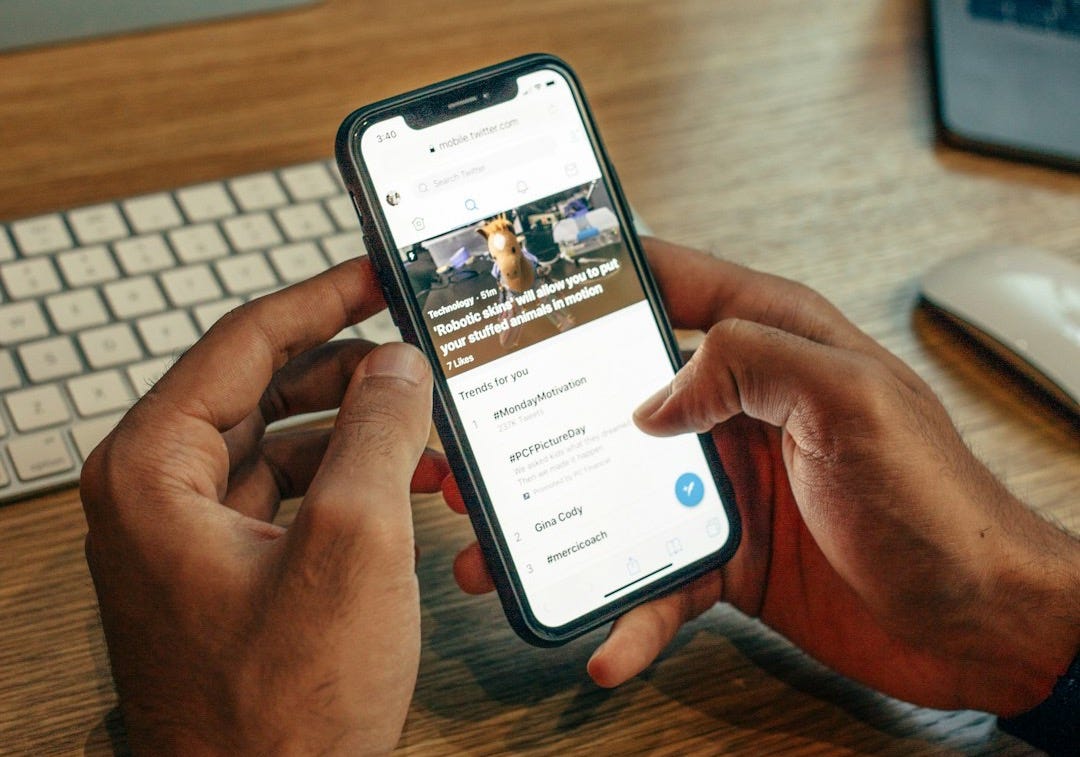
(241, 352)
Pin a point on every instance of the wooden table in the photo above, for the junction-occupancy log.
(792, 136)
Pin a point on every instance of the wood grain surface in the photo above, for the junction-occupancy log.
(795, 137)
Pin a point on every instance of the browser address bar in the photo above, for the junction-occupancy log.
(483, 167)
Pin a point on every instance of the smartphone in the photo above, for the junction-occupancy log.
(506, 253)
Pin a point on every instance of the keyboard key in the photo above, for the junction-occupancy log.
(9, 374)
(102, 298)
(167, 333)
(144, 375)
(245, 273)
(77, 310)
(86, 266)
(194, 244)
(144, 254)
(342, 247)
(98, 223)
(308, 182)
(252, 232)
(300, 222)
(206, 202)
(189, 285)
(258, 192)
(210, 313)
(35, 236)
(97, 393)
(49, 359)
(7, 249)
(130, 298)
(112, 345)
(96, 302)
(155, 212)
(296, 262)
(40, 455)
(88, 434)
(343, 211)
(21, 322)
(36, 407)
(29, 278)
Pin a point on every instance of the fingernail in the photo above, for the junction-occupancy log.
(647, 408)
(397, 361)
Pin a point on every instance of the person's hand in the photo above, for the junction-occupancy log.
(872, 538)
(227, 633)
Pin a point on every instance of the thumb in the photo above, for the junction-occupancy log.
(745, 367)
(359, 497)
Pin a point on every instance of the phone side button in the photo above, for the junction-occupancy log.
(386, 296)
(356, 204)
(369, 247)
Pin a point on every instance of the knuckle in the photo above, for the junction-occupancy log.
(255, 324)
(712, 389)
(103, 475)
(872, 386)
(92, 476)
(808, 298)
(725, 330)
(861, 406)
(801, 301)
(805, 311)
(238, 315)
(730, 334)
(274, 403)
(131, 463)
(717, 339)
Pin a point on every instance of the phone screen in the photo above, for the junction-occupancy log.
(504, 224)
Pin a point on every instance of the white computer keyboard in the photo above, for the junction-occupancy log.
(97, 302)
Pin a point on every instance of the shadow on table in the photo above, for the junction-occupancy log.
(738, 672)
(737, 683)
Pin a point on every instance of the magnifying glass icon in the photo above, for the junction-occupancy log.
(470, 204)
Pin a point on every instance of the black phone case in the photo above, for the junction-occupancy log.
(402, 305)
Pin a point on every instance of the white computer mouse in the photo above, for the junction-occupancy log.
(1023, 304)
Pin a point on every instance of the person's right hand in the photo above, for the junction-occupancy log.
(872, 537)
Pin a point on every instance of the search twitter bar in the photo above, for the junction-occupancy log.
(512, 159)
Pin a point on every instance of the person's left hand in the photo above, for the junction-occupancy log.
(228, 633)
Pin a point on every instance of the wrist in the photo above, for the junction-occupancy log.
(1031, 630)
(1054, 725)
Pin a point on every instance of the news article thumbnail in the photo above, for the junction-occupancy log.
(514, 279)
